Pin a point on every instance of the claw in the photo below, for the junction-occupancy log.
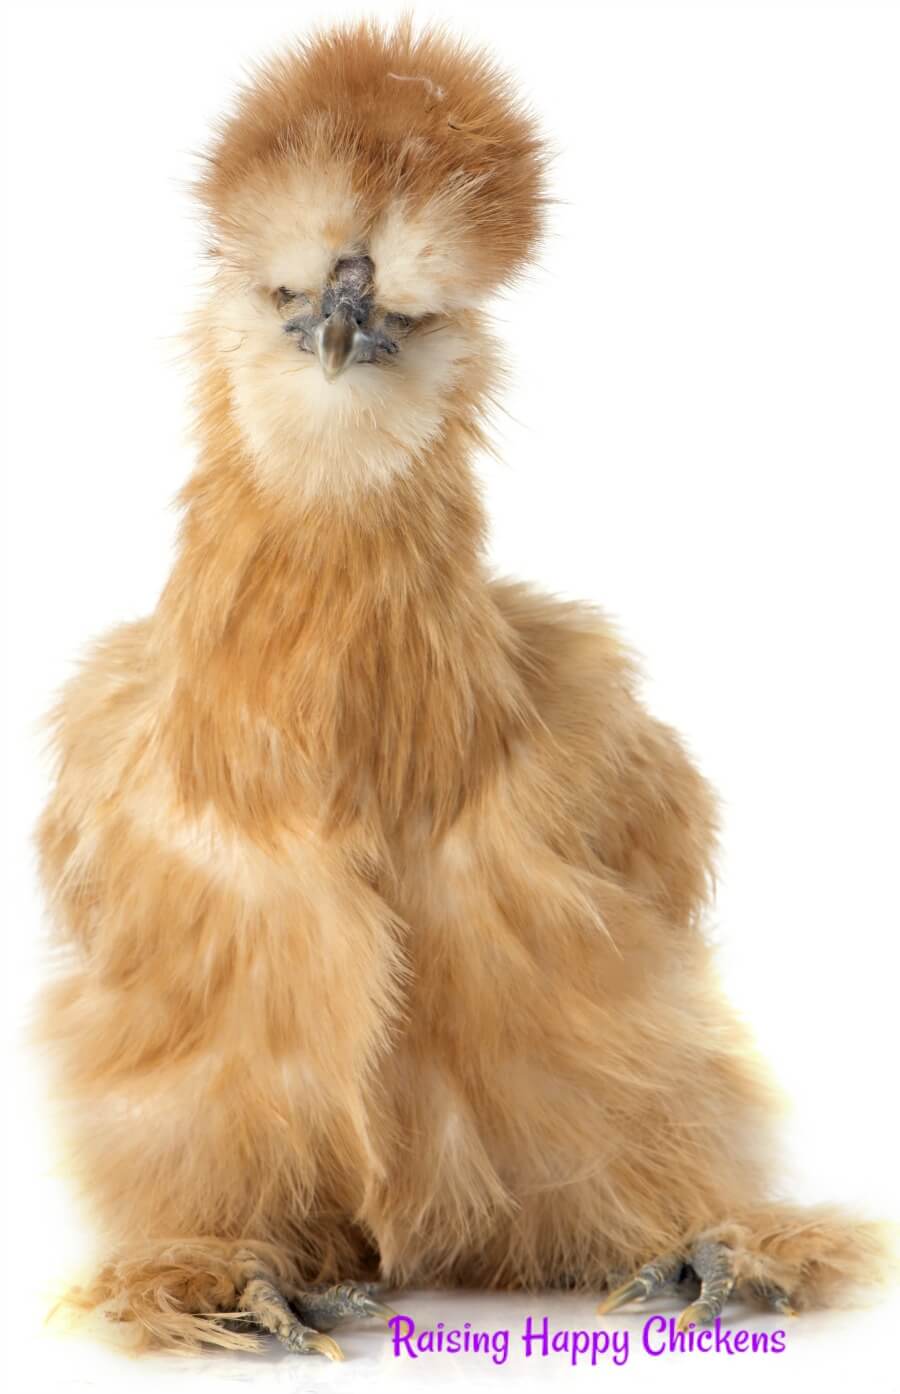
(371, 1308)
(636, 1289)
(650, 1279)
(779, 1301)
(698, 1313)
(317, 1343)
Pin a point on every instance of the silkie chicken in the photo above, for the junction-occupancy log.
(382, 893)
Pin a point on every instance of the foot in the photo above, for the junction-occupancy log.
(295, 1315)
(712, 1264)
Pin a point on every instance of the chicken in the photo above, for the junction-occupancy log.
(383, 896)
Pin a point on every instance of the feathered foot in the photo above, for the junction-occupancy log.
(181, 1295)
(782, 1258)
(299, 1317)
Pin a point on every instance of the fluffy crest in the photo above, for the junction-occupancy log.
(412, 147)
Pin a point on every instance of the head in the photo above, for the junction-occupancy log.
(369, 193)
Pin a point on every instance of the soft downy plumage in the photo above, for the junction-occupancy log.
(383, 894)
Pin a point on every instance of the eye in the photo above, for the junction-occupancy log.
(283, 296)
(400, 324)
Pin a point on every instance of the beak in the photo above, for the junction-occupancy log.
(338, 342)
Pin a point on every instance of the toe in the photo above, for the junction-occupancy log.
(372, 1308)
(713, 1264)
(649, 1280)
(309, 1342)
(635, 1290)
(699, 1313)
(332, 1304)
(778, 1300)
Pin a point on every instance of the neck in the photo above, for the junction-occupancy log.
(349, 654)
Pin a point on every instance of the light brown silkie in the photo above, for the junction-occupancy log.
(383, 893)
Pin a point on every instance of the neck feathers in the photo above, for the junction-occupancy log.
(339, 658)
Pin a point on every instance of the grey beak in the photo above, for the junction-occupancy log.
(339, 341)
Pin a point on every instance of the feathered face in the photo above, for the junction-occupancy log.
(368, 195)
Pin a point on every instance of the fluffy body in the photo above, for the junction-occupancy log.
(383, 894)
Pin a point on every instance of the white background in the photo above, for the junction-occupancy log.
(714, 461)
